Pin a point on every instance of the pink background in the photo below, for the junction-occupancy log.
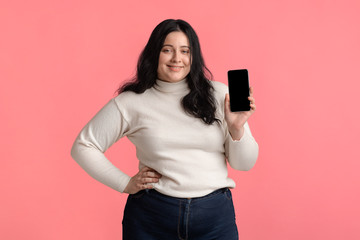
(61, 61)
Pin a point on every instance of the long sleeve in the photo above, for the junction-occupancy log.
(103, 130)
(242, 154)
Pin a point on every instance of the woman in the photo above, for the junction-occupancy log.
(184, 131)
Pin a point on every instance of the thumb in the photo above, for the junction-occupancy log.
(227, 103)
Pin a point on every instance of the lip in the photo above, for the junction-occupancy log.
(175, 68)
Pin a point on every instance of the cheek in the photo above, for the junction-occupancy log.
(162, 61)
(163, 58)
(187, 61)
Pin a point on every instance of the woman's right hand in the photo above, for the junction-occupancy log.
(142, 179)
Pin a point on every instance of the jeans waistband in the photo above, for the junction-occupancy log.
(154, 192)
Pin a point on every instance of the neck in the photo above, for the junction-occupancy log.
(180, 86)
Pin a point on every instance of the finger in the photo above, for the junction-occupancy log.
(145, 169)
(146, 186)
(227, 98)
(142, 186)
(251, 99)
(251, 91)
(152, 174)
(149, 180)
(227, 102)
(253, 107)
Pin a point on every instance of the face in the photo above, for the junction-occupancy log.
(174, 59)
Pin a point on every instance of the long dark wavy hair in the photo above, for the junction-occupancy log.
(200, 101)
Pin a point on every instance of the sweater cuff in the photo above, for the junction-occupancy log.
(243, 138)
(123, 182)
(242, 154)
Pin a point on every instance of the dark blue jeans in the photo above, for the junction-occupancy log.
(150, 215)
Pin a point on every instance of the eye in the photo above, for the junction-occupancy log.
(185, 51)
(166, 50)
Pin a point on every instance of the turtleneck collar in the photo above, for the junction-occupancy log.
(169, 87)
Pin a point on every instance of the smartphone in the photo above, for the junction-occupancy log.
(239, 90)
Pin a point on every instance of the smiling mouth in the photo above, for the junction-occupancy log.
(175, 68)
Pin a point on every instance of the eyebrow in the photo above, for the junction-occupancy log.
(169, 45)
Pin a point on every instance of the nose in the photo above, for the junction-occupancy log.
(176, 57)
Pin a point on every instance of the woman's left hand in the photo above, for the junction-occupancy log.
(236, 120)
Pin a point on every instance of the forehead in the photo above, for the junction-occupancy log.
(177, 39)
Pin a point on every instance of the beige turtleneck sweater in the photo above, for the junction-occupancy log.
(190, 155)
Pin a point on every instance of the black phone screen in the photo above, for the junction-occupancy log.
(239, 90)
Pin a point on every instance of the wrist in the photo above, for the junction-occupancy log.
(236, 134)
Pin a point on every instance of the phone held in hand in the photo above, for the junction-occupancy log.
(238, 81)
